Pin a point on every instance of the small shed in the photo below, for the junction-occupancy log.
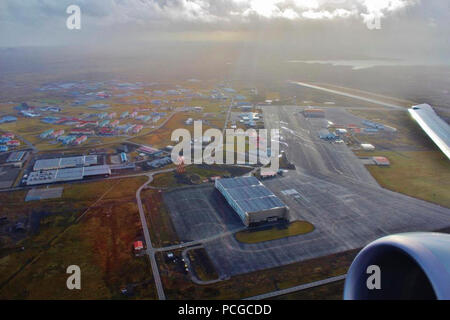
(138, 246)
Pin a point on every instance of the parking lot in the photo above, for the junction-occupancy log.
(200, 212)
(8, 175)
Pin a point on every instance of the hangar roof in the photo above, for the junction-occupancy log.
(250, 194)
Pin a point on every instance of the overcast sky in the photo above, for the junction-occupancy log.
(420, 26)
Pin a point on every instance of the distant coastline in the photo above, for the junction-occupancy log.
(360, 64)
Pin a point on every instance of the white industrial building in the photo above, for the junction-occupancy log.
(68, 174)
(251, 200)
(61, 163)
(367, 147)
(435, 127)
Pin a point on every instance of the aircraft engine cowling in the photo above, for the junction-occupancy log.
(411, 266)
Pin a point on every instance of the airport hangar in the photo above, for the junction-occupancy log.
(252, 201)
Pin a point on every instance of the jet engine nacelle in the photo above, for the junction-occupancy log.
(411, 266)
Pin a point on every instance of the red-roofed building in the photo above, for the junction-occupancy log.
(13, 143)
(106, 132)
(381, 161)
(268, 174)
(80, 140)
(85, 123)
(57, 133)
(138, 246)
(138, 128)
(8, 135)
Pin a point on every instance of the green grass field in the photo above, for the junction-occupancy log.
(420, 174)
(293, 229)
(418, 168)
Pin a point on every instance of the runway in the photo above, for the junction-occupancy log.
(349, 95)
(329, 188)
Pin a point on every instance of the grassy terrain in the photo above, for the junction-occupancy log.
(159, 222)
(172, 179)
(179, 286)
(84, 228)
(331, 291)
(275, 232)
(409, 136)
(202, 264)
(420, 174)
(418, 168)
(161, 137)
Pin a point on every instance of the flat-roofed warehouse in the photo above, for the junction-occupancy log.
(314, 113)
(251, 200)
(67, 174)
(69, 162)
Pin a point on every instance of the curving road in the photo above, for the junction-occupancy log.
(150, 250)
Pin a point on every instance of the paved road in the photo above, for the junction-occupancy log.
(150, 250)
(152, 130)
(227, 117)
(193, 275)
(297, 288)
(28, 143)
(198, 242)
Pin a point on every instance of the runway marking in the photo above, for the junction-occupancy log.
(289, 192)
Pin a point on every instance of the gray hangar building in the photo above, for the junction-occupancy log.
(252, 201)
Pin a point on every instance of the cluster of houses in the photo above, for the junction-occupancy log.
(105, 124)
(28, 111)
(154, 116)
(75, 137)
(249, 118)
(7, 141)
